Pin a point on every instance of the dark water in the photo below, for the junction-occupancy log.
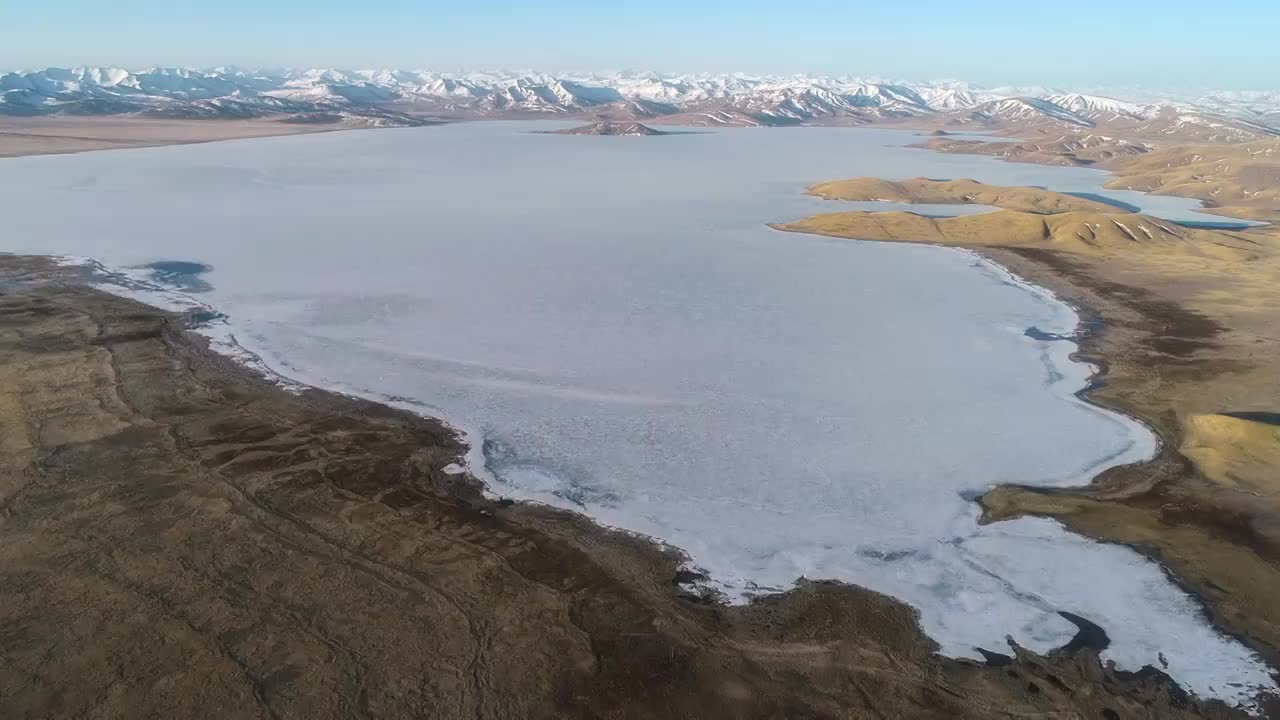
(1270, 418)
(1036, 333)
(180, 274)
(1205, 225)
(1129, 207)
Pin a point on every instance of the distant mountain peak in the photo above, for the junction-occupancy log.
(711, 99)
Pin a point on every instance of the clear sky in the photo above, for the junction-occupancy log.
(1229, 44)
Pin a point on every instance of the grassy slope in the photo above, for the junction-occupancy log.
(1061, 150)
(943, 192)
(1237, 180)
(1088, 233)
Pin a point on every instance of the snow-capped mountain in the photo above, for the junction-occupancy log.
(1098, 109)
(944, 99)
(399, 96)
(1020, 111)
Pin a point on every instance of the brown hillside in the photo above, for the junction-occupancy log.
(1090, 233)
(1238, 180)
(1069, 150)
(948, 192)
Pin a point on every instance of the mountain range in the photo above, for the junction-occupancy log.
(395, 97)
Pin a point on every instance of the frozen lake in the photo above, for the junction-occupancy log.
(612, 318)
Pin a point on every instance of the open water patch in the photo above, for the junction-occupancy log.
(182, 275)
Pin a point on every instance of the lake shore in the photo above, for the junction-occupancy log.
(21, 137)
(1234, 180)
(186, 538)
(1205, 507)
(1184, 330)
(292, 359)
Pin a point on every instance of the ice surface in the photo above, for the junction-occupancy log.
(622, 335)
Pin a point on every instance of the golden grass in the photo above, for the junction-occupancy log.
(1243, 176)
(953, 192)
(1086, 233)
(1241, 453)
(1070, 150)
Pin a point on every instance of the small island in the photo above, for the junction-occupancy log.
(609, 128)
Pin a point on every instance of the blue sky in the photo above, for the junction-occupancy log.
(1228, 44)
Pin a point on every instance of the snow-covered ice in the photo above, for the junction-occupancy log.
(622, 335)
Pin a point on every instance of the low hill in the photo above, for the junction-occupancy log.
(1068, 150)
(1236, 180)
(1090, 233)
(610, 128)
(1240, 450)
(957, 192)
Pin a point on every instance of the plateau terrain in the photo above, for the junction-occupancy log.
(459, 523)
